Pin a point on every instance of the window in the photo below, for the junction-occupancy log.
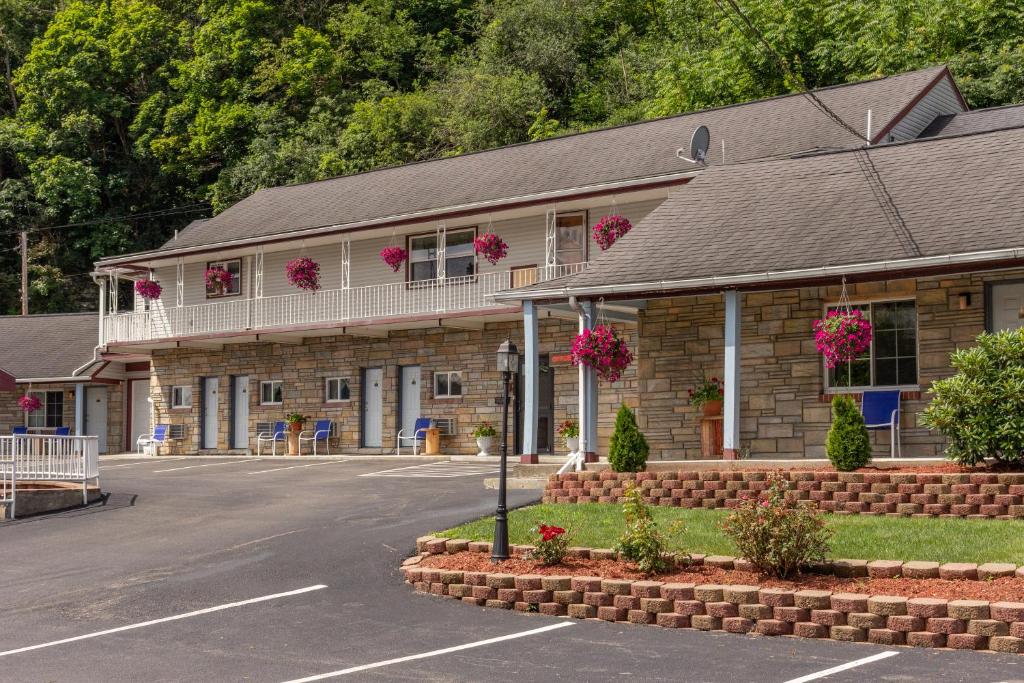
(181, 397)
(271, 392)
(892, 359)
(234, 267)
(571, 238)
(447, 384)
(460, 256)
(51, 414)
(336, 389)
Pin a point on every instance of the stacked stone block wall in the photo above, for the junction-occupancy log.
(11, 415)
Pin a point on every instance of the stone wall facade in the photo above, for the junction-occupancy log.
(304, 366)
(784, 410)
(11, 415)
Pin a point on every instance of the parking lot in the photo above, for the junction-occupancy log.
(275, 569)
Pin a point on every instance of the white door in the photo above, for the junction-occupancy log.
(240, 409)
(410, 398)
(96, 415)
(1007, 306)
(210, 412)
(142, 411)
(373, 407)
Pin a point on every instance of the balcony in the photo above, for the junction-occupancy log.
(327, 308)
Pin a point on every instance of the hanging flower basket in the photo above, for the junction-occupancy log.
(609, 229)
(491, 247)
(303, 273)
(842, 336)
(394, 257)
(218, 279)
(603, 350)
(148, 289)
(29, 403)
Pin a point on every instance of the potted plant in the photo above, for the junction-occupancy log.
(843, 335)
(303, 273)
(484, 434)
(295, 422)
(609, 229)
(603, 350)
(148, 289)
(708, 395)
(29, 403)
(218, 280)
(394, 257)
(491, 247)
(570, 432)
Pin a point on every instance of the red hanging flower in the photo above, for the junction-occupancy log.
(491, 247)
(394, 257)
(148, 289)
(304, 273)
(29, 403)
(842, 336)
(218, 276)
(603, 350)
(609, 229)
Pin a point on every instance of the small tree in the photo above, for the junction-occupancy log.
(628, 449)
(980, 409)
(642, 542)
(847, 444)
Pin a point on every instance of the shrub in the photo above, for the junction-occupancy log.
(980, 409)
(627, 449)
(847, 444)
(552, 546)
(642, 542)
(778, 535)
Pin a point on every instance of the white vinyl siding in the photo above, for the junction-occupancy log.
(940, 100)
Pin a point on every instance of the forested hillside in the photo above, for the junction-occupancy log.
(116, 108)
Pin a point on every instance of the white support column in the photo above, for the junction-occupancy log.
(581, 401)
(550, 244)
(346, 264)
(442, 236)
(590, 425)
(259, 271)
(531, 383)
(103, 312)
(179, 287)
(79, 410)
(731, 414)
(115, 284)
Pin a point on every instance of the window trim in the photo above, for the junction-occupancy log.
(327, 390)
(271, 382)
(179, 406)
(871, 357)
(587, 230)
(448, 374)
(43, 395)
(223, 263)
(408, 262)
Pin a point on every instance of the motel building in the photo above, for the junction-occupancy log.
(376, 347)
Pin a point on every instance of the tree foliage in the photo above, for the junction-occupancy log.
(627, 448)
(847, 445)
(114, 108)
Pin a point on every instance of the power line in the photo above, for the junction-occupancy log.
(145, 215)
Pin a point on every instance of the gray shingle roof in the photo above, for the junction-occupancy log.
(764, 128)
(951, 195)
(38, 346)
(976, 121)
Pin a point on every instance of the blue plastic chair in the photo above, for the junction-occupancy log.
(273, 439)
(419, 433)
(63, 431)
(158, 437)
(321, 432)
(20, 431)
(881, 410)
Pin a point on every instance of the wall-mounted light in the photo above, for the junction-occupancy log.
(965, 300)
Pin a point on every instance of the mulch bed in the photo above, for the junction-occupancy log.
(1009, 589)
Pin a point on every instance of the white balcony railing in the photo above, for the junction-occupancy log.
(373, 302)
(38, 457)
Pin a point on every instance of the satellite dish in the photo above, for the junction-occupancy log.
(700, 142)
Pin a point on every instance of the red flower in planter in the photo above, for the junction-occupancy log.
(550, 532)
(394, 257)
(218, 276)
(609, 229)
(491, 247)
(29, 403)
(304, 273)
(603, 350)
(842, 336)
(148, 289)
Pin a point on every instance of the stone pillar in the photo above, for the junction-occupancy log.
(531, 378)
(731, 413)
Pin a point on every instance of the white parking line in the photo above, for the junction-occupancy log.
(433, 653)
(212, 464)
(436, 470)
(294, 467)
(163, 620)
(844, 667)
(144, 462)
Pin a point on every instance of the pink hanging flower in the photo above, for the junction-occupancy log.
(148, 289)
(603, 350)
(303, 273)
(842, 336)
(609, 229)
(394, 257)
(218, 276)
(29, 403)
(491, 247)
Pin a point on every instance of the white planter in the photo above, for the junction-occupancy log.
(484, 443)
(572, 443)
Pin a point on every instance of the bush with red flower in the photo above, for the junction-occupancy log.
(218, 279)
(303, 273)
(30, 403)
(148, 289)
(609, 229)
(552, 546)
(394, 257)
(842, 336)
(603, 350)
(491, 247)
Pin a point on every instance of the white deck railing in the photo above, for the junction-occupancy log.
(374, 302)
(8, 483)
(52, 458)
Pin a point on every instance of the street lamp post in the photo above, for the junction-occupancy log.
(508, 364)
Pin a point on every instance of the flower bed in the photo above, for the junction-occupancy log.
(973, 495)
(889, 611)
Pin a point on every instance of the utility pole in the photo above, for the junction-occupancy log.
(24, 273)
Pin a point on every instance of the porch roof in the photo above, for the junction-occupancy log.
(594, 161)
(932, 202)
(976, 121)
(47, 346)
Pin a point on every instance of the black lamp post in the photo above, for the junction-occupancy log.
(508, 364)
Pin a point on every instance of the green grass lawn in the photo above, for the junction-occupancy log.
(598, 525)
